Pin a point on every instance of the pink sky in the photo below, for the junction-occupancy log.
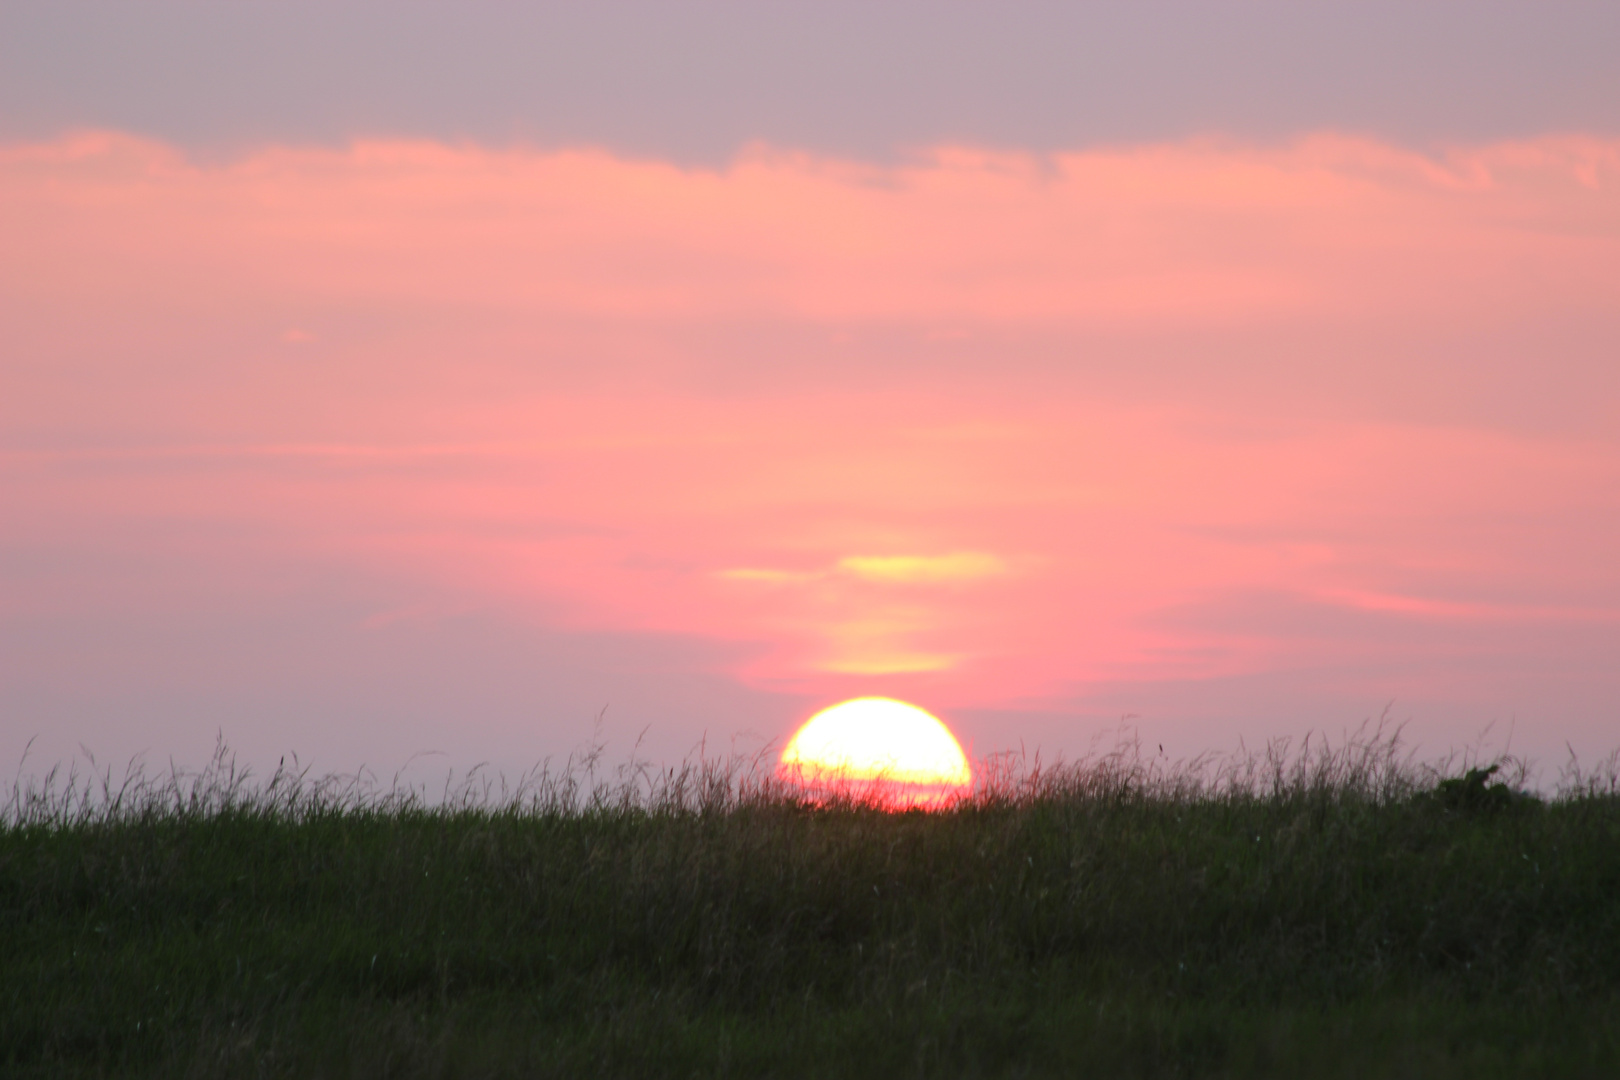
(1243, 440)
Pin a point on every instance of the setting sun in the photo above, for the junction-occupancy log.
(910, 753)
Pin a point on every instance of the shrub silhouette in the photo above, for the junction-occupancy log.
(1471, 794)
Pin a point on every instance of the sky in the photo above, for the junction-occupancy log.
(427, 383)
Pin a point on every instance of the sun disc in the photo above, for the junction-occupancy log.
(877, 740)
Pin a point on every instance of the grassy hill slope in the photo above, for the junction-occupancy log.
(1319, 915)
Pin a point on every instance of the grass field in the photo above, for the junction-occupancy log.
(1325, 912)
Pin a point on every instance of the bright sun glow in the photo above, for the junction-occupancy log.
(880, 741)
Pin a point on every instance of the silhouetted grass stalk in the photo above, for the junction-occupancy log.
(1319, 908)
(1371, 766)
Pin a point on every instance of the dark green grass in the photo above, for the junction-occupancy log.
(1288, 915)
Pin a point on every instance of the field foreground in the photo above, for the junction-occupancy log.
(1323, 913)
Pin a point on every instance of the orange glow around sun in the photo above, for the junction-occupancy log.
(891, 750)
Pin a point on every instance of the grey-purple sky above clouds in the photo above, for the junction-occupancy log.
(695, 81)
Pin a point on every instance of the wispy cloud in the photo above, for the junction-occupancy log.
(958, 566)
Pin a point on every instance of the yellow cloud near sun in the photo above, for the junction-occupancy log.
(924, 569)
(879, 643)
(858, 634)
(889, 663)
(951, 568)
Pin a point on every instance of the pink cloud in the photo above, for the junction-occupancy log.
(617, 396)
